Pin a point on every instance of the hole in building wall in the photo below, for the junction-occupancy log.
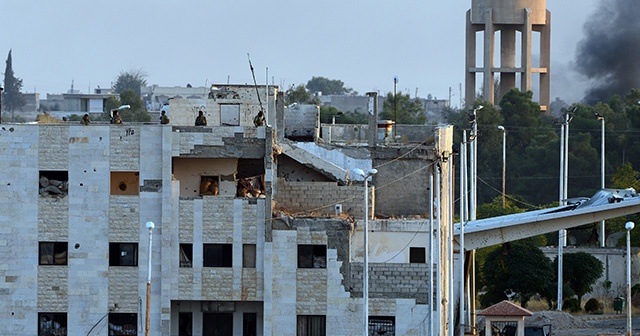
(53, 183)
(125, 183)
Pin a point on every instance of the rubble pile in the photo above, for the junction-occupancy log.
(53, 187)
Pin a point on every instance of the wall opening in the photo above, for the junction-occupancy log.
(125, 183)
(209, 185)
(53, 183)
(53, 253)
(311, 325)
(312, 256)
(123, 254)
(217, 255)
(382, 325)
(417, 255)
(250, 178)
(123, 324)
(186, 255)
(249, 255)
(52, 323)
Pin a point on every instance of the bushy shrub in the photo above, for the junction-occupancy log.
(593, 306)
(572, 305)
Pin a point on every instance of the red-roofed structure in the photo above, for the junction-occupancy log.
(509, 315)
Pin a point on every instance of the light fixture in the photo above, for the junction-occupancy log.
(150, 225)
(365, 264)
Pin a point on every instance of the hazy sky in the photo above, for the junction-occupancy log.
(363, 43)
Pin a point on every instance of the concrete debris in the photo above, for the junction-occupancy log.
(53, 187)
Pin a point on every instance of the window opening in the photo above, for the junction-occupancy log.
(217, 255)
(312, 256)
(123, 324)
(123, 254)
(125, 183)
(209, 185)
(186, 255)
(417, 255)
(311, 325)
(52, 324)
(382, 325)
(53, 253)
(249, 255)
(53, 183)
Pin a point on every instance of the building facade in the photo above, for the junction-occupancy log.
(225, 259)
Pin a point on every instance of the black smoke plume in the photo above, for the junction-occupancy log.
(609, 54)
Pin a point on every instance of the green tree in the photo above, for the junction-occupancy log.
(518, 267)
(329, 86)
(299, 94)
(625, 177)
(130, 80)
(580, 271)
(136, 113)
(518, 109)
(409, 111)
(327, 113)
(12, 98)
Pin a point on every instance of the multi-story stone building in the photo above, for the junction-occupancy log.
(232, 252)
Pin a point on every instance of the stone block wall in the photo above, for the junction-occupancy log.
(391, 281)
(124, 148)
(226, 220)
(322, 197)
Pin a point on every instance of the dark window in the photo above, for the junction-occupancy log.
(417, 255)
(311, 325)
(312, 256)
(217, 324)
(53, 253)
(53, 183)
(52, 324)
(217, 255)
(249, 255)
(382, 325)
(123, 254)
(123, 324)
(249, 324)
(186, 255)
(185, 324)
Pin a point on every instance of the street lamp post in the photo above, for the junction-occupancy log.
(395, 106)
(629, 226)
(504, 165)
(472, 207)
(150, 226)
(602, 227)
(365, 266)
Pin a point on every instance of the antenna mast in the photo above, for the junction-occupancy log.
(255, 84)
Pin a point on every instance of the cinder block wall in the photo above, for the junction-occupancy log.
(322, 197)
(392, 281)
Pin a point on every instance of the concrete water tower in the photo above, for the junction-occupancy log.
(516, 23)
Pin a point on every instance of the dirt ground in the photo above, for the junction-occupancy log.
(564, 324)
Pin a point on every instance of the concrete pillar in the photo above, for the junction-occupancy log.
(470, 76)
(489, 45)
(545, 64)
(507, 60)
(526, 51)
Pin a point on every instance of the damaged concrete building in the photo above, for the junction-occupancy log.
(255, 234)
